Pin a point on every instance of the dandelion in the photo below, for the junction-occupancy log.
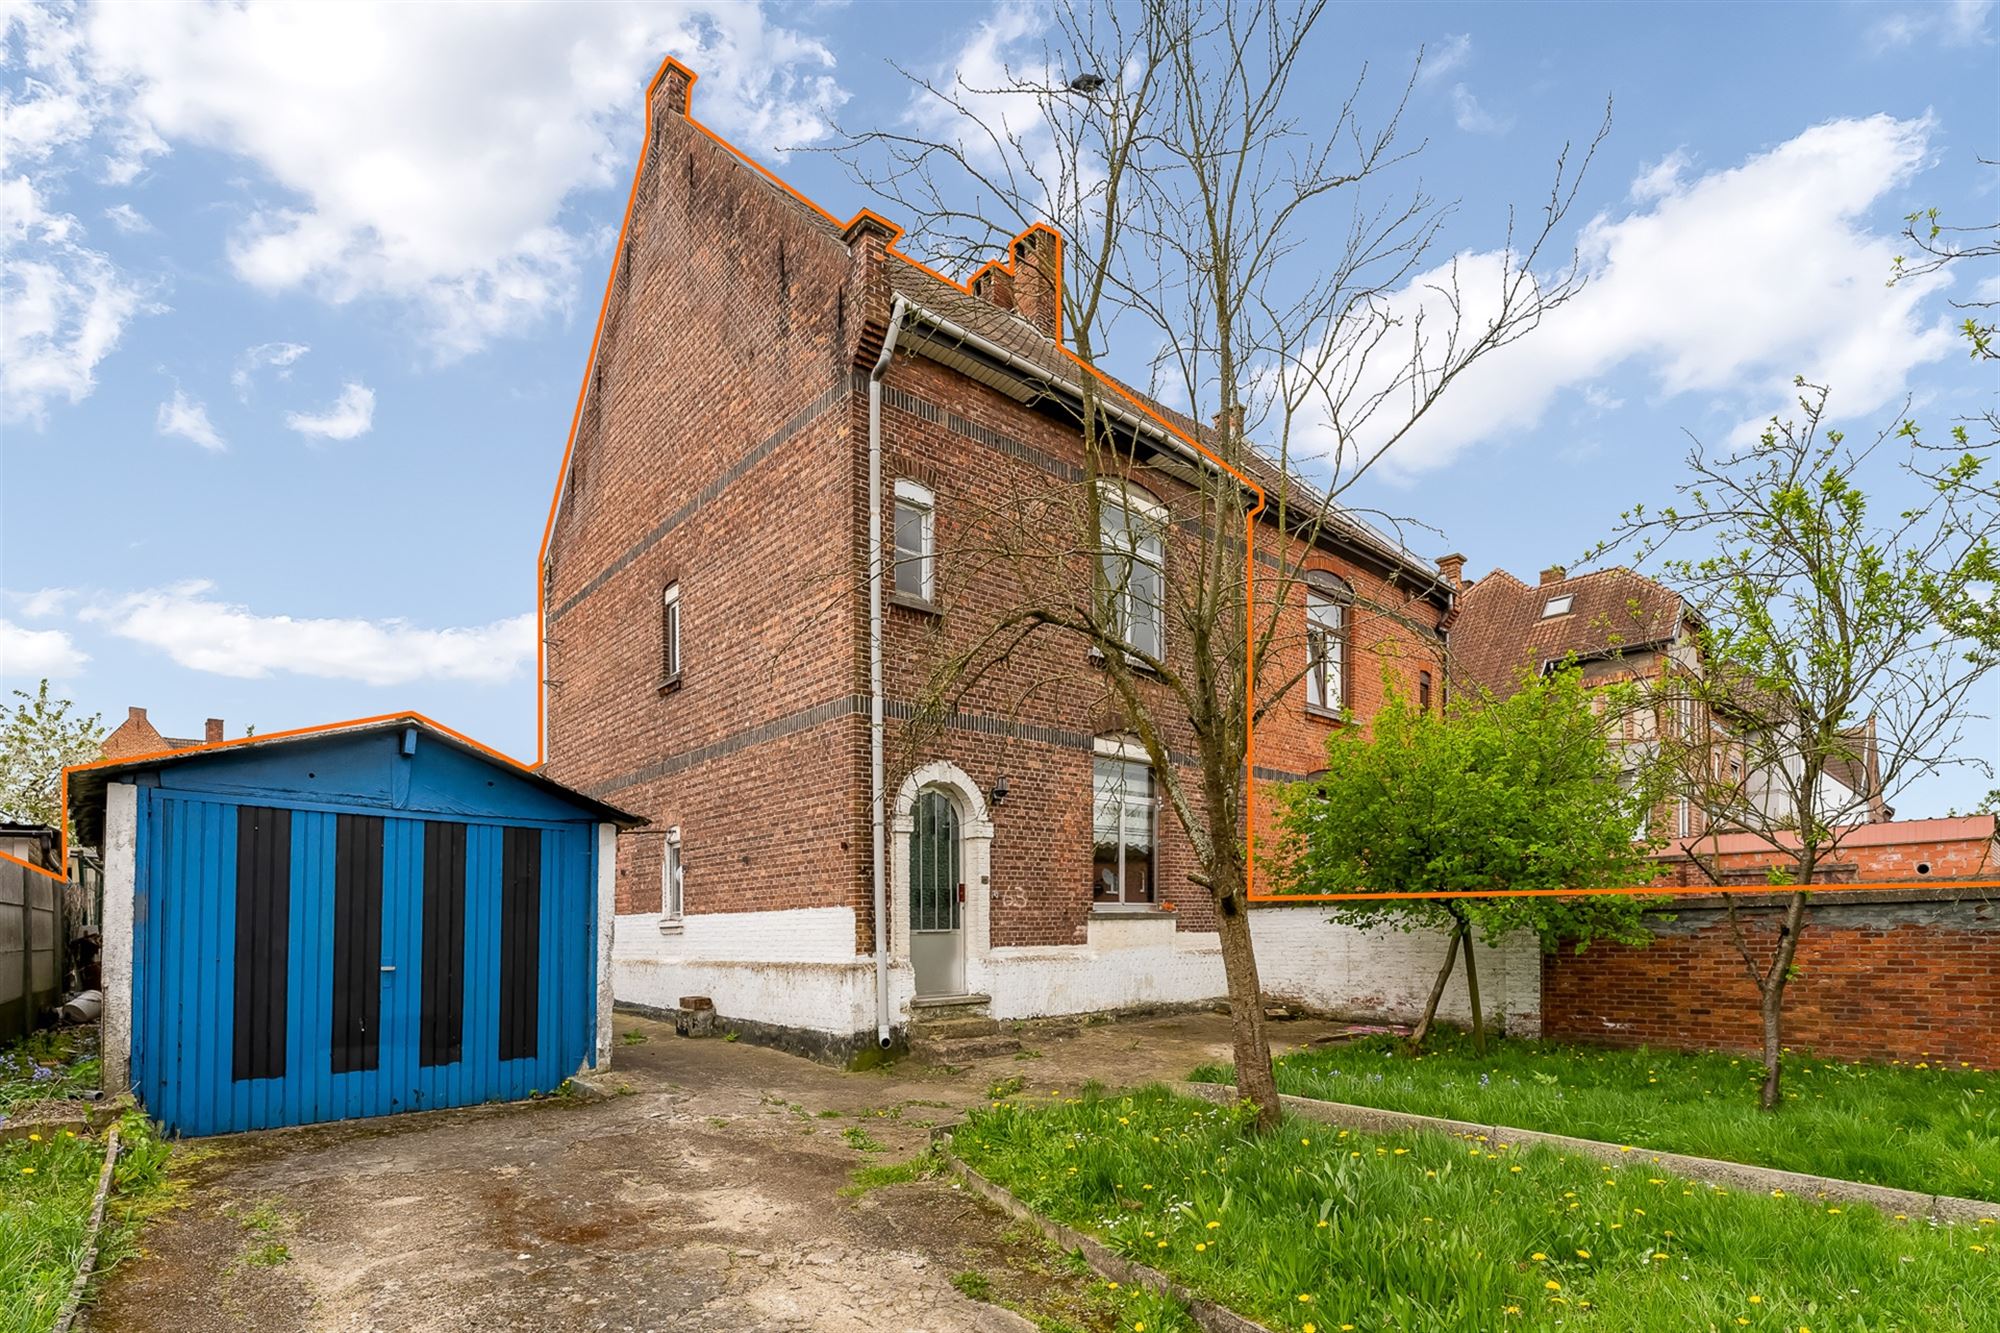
(34, 1138)
(1305, 1298)
(1200, 1247)
(27, 1170)
(1583, 1254)
(1756, 1300)
(1553, 1285)
(1538, 1256)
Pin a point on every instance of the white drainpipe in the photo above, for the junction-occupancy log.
(877, 812)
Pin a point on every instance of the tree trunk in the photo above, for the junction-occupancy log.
(1772, 1009)
(1472, 988)
(1254, 1079)
(1423, 1032)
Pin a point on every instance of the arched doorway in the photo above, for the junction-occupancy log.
(936, 895)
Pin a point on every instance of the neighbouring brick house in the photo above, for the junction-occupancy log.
(1618, 626)
(1906, 973)
(707, 613)
(136, 735)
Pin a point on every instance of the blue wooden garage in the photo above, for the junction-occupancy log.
(350, 921)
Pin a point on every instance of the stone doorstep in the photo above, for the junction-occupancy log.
(1108, 1263)
(1739, 1176)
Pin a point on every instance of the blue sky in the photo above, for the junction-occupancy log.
(297, 299)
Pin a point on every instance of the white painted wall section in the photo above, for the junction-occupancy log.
(121, 847)
(607, 927)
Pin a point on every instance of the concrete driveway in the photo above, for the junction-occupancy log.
(703, 1195)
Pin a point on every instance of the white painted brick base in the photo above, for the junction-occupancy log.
(798, 969)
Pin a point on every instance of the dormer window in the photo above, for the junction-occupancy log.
(1558, 606)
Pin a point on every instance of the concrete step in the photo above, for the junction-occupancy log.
(944, 1029)
(950, 1006)
(961, 1050)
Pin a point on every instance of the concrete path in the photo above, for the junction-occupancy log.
(704, 1198)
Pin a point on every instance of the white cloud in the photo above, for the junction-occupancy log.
(1447, 57)
(1474, 118)
(352, 414)
(424, 153)
(128, 219)
(63, 305)
(33, 653)
(1662, 178)
(1959, 23)
(279, 356)
(1723, 286)
(187, 418)
(41, 602)
(202, 632)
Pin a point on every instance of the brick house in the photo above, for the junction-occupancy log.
(1618, 627)
(769, 388)
(136, 735)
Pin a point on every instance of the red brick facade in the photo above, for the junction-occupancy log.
(722, 449)
(1906, 974)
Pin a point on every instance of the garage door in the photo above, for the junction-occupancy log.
(294, 965)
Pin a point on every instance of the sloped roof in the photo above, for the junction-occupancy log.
(1500, 629)
(85, 785)
(977, 315)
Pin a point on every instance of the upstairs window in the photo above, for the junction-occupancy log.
(1424, 691)
(916, 536)
(1329, 601)
(1132, 566)
(1122, 826)
(670, 635)
(1558, 606)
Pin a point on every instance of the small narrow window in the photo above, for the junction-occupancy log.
(1328, 600)
(670, 634)
(1558, 606)
(670, 880)
(1424, 691)
(916, 537)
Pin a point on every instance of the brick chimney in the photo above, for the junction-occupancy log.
(995, 284)
(1229, 425)
(1037, 274)
(1554, 574)
(135, 714)
(1453, 568)
(212, 732)
(675, 84)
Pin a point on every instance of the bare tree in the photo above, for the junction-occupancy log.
(1838, 656)
(1274, 265)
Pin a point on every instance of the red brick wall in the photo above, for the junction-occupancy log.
(1903, 975)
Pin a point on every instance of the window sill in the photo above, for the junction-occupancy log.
(1136, 665)
(916, 604)
(1128, 909)
(1328, 715)
(670, 684)
(672, 925)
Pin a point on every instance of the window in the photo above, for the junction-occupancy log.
(1122, 827)
(1132, 562)
(1558, 606)
(1424, 691)
(670, 635)
(1328, 599)
(670, 881)
(916, 535)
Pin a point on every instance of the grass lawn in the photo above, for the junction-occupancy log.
(47, 1181)
(1913, 1126)
(1316, 1228)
